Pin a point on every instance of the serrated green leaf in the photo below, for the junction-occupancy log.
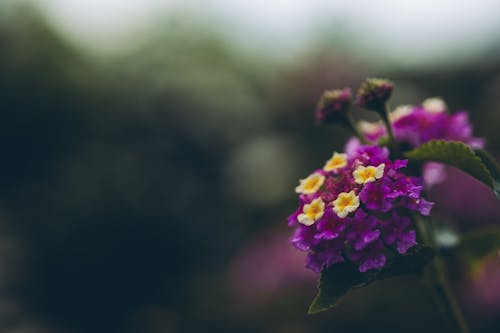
(492, 167)
(339, 279)
(476, 245)
(456, 154)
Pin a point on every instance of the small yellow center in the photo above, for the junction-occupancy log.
(345, 203)
(363, 175)
(337, 161)
(312, 212)
(311, 184)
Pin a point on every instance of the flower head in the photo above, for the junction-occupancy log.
(374, 93)
(353, 209)
(414, 125)
(334, 105)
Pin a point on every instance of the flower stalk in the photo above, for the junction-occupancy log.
(384, 114)
(354, 127)
(445, 297)
(334, 107)
(436, 277)
(373, 95)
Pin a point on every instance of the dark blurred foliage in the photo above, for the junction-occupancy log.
(133, 190)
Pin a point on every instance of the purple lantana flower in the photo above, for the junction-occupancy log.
(415, 125)
(354, 208)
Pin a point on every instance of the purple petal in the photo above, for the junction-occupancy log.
(406, 241)
(373, 263)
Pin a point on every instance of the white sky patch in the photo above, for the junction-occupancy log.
(99, 23)
(405, 31)
(423, 29)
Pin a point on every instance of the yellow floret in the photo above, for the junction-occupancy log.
(338, 161)
(345, 203)
(310, 184)
(312, 212)
(363, 175)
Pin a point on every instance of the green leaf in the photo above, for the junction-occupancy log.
(335, 282)
(477, 164)
(492, 167)
(476, 245)
(339, 279)
(412, 263)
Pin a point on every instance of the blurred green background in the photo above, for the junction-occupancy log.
(150, 150)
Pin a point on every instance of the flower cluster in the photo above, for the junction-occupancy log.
(414, 125)
(357, 208)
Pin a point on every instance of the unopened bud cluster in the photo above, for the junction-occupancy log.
(334, 105)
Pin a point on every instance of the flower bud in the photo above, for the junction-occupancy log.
(374, 93)
(334, 105)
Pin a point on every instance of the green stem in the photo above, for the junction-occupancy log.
(384, 114)
(437, 278)
(445, 298)
(355, 128)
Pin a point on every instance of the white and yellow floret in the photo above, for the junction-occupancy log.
(345, 203)
(312, 212)
(310, 184)
(336, 162)
(363, 175)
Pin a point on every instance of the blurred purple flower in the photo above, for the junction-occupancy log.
(483, 290)
(415, 125)
(421, 126)
(474, 205)
(263, 267)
